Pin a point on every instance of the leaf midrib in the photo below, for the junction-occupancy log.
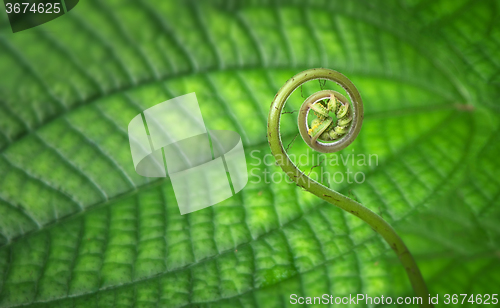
(156, 183)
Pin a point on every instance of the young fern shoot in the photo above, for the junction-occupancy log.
(327, 135)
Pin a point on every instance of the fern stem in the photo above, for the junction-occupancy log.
(375, 221)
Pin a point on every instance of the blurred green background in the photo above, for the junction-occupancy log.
(79, 227)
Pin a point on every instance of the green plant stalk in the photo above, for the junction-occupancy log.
(375, 221)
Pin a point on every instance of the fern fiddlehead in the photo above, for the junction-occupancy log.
(341, 133)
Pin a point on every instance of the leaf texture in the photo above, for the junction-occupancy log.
(78, 226)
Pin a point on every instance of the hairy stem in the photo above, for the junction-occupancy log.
(375, 221)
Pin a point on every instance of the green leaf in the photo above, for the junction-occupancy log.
(78, 226)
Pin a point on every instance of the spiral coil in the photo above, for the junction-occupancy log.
(349, 116)
(326, 135)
